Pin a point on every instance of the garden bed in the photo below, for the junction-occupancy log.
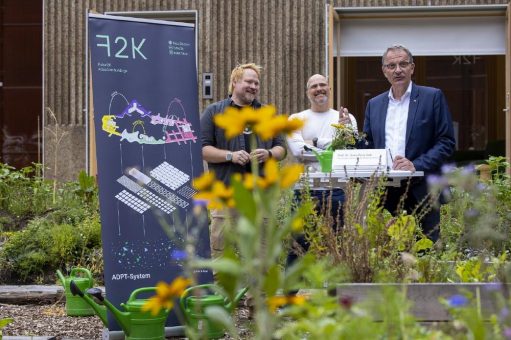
(425, 297)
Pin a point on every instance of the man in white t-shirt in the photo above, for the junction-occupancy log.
(318, 132)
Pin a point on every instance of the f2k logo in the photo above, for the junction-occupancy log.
(120, 46)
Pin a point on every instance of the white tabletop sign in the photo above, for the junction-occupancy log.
(361, 159)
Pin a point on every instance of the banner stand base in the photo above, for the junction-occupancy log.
(119, 335)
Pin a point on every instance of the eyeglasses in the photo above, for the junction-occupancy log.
(402, 65)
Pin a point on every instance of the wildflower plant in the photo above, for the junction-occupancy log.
(345, 137)
(477, 216)
(254, 240)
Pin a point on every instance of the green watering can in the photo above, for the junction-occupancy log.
(325, 159)
(75, 306)
(136, 325)
(194, 307)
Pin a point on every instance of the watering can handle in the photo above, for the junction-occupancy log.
(182, 301)
(83, 270)
(134, 294)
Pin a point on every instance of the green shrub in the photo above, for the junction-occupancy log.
(35, 253)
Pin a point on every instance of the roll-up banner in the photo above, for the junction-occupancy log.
(146, 117)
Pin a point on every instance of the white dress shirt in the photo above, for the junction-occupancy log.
(395, 123)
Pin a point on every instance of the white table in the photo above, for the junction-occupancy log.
(339, 179)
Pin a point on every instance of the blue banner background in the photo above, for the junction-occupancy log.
(144, 84)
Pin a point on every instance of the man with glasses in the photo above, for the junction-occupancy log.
(414, 122)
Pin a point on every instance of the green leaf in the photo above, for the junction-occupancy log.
(422, 244)
(244, 198)
(87, 183)
(272, 280)
(219, 317)
(5, 322)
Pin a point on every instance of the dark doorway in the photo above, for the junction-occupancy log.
(20, 81)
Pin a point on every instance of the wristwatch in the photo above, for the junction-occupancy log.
(228, 157)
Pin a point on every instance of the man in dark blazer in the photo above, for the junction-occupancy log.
(414, 122)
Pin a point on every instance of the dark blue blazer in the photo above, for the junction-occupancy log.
(429, 132)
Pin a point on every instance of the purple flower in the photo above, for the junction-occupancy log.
(504, 313)
(435, 180)
(346, 301)
(178, 255)
(457, 300)
(481, 186)
(200, 203)
(493, 287)
(507, 332)
(468, 170)
(448, 168)
(472, 213)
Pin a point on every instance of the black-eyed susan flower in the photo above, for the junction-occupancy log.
(205, 181)
(165, 293)
(264, 121)
(297, 224)
(290, 174)
(267, 129)
(275, 302)
(271, 172)
(218, 196)
(231, 120)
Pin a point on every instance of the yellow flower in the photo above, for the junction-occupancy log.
(221, 191)
(204, 182)
(217, 197)
(338, 126)
(231, 120)
(269, 128)
(264, 121)
(290, 174)
(271, 172)
(253, 116)
(165, 293)
(155, 305)
(276, 301)
(293, 125)
(297, 224)
(247, 181)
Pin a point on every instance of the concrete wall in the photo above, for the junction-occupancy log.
(286, 37)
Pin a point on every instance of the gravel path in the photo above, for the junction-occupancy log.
(51, 320)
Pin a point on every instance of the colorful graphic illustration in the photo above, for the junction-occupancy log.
(139, 126)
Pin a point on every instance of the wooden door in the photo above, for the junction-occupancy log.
(20, 81)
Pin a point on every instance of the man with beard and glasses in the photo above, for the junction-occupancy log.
(227, 157)
(414, 122)
(318, 133)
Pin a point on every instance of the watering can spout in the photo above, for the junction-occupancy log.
(99, 309)
(231, 305)
(61, 278)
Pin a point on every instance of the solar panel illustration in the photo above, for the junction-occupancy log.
(186, 191)
(156, 201)
(169, 195)
(169, 175)
(132, 202)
